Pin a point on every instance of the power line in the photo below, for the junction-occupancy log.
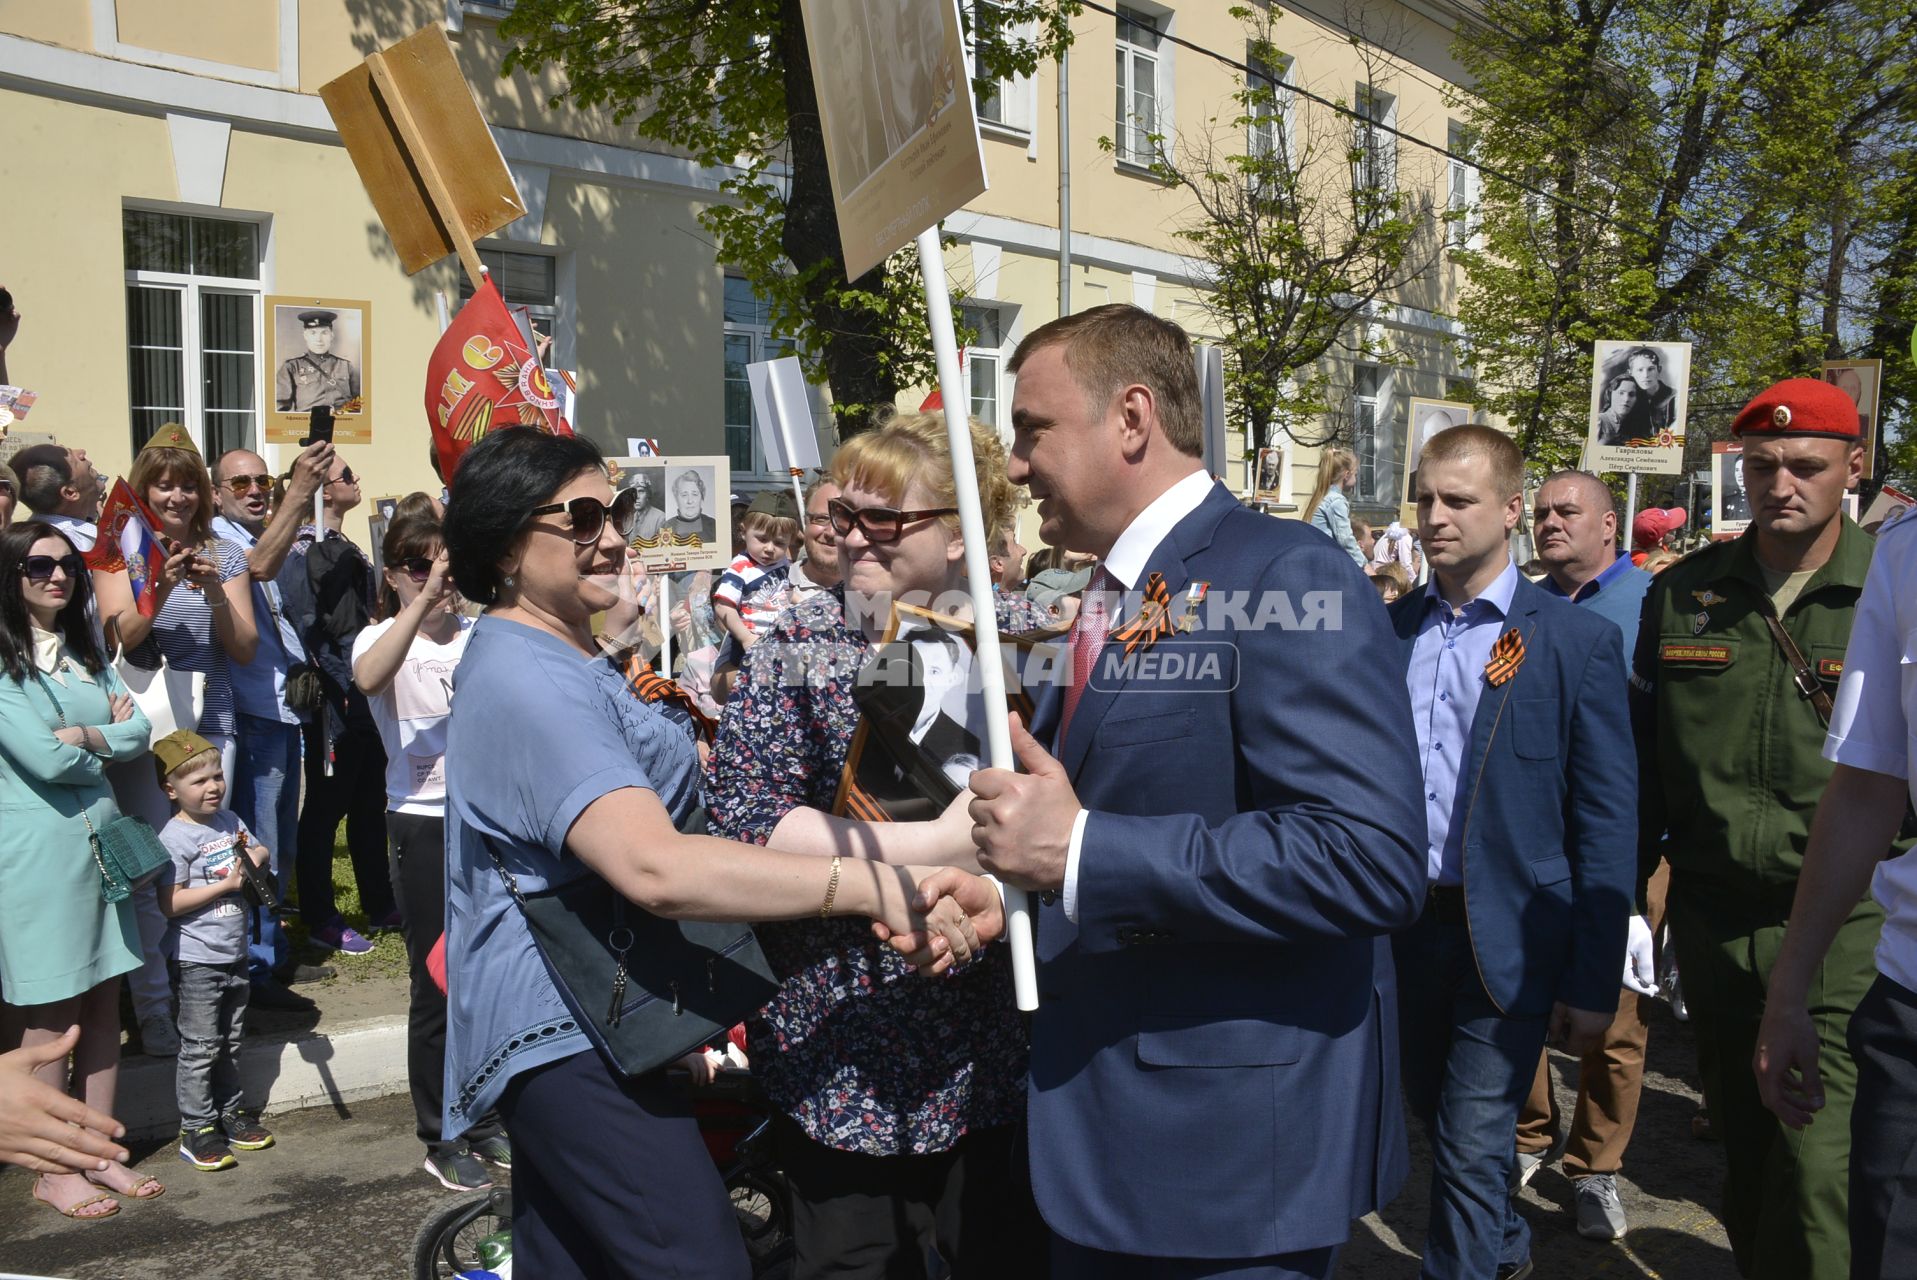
(1610, 220)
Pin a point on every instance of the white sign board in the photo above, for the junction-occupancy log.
(784, 410)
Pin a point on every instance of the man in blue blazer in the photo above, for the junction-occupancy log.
(1213, 1086)
(1529, 793)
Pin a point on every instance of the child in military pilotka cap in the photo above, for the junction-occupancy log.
(205, 947)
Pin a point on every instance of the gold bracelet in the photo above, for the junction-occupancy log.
(831, 889)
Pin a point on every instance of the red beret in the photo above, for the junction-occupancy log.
(1800, 407)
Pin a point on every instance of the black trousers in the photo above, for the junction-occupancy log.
(419, 886)
(1077, 1262)
(1883, 1134)
(860, 1217)
(611, 1180)
(356, 791)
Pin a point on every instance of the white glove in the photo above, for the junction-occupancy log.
(1640, 970)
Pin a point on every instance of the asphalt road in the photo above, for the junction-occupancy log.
(342, 1195)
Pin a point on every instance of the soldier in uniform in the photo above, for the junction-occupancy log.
(316, 377)
(1730, 719)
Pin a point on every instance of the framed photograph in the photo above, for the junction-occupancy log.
(1271, 482)
(1427, 419)
(685, 513)
(1862, 381)
(1640, 396)
(320, 354)
(921, 728)
(1889, 506)
(1730, 504)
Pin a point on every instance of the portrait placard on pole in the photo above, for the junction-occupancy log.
(901, 136)
(1862, 381)
(1640, 396)
(1730, 503)
(321, 354)
(684, 518)
(784, 410)
(903, 150)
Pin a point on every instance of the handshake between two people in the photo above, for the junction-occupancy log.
(1021, 827)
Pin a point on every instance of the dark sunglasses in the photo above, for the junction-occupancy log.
(40, 568)
(345, 476)
(418, 568)
(589, 515)
(879, 524)
(240, 484)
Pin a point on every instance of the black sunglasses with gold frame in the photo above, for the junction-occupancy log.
(589, 516)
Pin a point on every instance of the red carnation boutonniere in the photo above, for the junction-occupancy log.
(1153, 621)
(1507, 655)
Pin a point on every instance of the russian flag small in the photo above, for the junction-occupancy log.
(129, 543)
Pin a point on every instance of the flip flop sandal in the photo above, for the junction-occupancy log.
(73, 1210)
(145, 1185)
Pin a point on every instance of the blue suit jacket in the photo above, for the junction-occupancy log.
(1550, 819)
(1214, 1061)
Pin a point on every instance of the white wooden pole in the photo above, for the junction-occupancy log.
(978, 574)
(1630, 513)
(664, 605)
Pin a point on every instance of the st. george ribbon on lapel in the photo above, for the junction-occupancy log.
(1507, 655)
(1153, 622)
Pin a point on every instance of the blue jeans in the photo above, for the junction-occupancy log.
(1467, 1069)
(212, 1017)
(266, 795)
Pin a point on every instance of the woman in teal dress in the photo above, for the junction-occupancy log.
(63, 715)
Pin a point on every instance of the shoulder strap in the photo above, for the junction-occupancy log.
(1801, 674)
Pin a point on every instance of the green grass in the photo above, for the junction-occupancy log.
(387, 959)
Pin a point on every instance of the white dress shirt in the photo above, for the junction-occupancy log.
(1126, 565)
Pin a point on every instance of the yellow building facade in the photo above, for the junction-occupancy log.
(171, 167)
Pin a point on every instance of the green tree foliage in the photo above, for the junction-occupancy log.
(1733, 173)
(1303, 219)
(728, 83)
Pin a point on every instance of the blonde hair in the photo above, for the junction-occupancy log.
(1458, 444)
(153, 464)
(1391, 573)
(912, 446)
(1660, 559)
(1333, 465)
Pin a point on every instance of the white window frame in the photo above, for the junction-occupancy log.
(1266, 133)
(1369, 486)
(1377, 166)
(1463, 188)
(191, 288)
(993, 357)
(1160, 59)
(1019, 93)
(765, 345)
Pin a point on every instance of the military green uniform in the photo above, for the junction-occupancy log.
(307, 381)
(1730, 769)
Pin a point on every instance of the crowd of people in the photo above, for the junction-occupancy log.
(1634, 770)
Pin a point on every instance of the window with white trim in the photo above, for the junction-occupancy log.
(1270, 108)
(1462, 197)
(1367, 404)
(193, 327)
(985, 363)
(529, 280)
(1138, 115)
(1376, 148)
(1007, 104)
(749, 339)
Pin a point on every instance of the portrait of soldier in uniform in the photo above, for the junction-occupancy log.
(316, 373)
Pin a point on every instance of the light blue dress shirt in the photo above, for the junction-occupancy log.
(259, 686)
(1446, 677)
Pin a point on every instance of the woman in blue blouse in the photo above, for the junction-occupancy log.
(554, 771)
(900, 1097)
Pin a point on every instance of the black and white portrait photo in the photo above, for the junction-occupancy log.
(320, 357)
(1862, 381)
(1427, 419)
(1639, 399)
(678, 522)
(1730, 499)
(1270, 486)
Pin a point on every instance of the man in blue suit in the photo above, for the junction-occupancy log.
(1213, 1086)
(1529, 794)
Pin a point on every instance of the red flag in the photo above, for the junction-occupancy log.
(481, 376)
(129, 543)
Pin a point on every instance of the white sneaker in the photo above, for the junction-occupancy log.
(1600, 1212)
(158, 1036)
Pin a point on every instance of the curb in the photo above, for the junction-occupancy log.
(314, 1068)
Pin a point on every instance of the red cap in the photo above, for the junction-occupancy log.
(1800, 407)
(1653, 523)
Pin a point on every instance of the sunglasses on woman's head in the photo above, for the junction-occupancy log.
(589, 515)
(40, 568)
(879, 524)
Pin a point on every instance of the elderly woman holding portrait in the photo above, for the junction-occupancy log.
(900, 1099)
(554, 773)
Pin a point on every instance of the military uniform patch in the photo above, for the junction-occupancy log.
(1715, 655)
(1830, 668)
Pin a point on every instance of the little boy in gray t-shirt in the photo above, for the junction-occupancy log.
(200, 891)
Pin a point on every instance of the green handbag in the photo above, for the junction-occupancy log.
(128, 851)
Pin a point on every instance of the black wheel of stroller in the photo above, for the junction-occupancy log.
(448, 1241)
(759, 1204)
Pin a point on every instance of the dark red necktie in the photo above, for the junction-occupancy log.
(1089, 630)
